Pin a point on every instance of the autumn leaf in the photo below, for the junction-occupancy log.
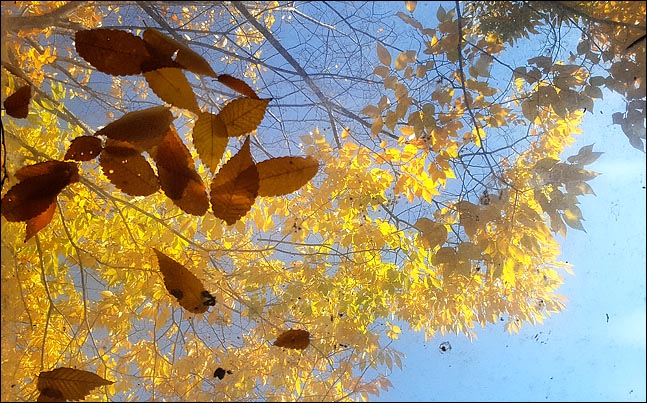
(143, 129)
(237, 85)
(39, 185)
(410, 5)
(384, 55)
(184, 285)
(220, 373)
(433, 233)
(166, 47)
(235, 187)
(68, 383)
(41, 221)
(112, 51)
(283, 175)
(172, 87)
(178, 177)
(243, 115)
(208, 139)
(127, 169)
(294, 339)
(17, 104)
(84, 148)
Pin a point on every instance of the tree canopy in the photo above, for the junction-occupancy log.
(249, 200)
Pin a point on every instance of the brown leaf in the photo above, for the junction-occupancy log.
(143, 129)
(69, 383)
(84, 148)
(128, 170)
(41, 221)
(384, 55)
(165, 47)
(294, 339)
(184, 285)
(235, 187)
(112, 51)
(17, 104)
(237, 85)
(177, 175)
(209, 144)
(283, 175)
(243, 115)
(172, 87)
(39, 185)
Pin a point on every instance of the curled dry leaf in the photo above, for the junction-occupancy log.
(283, 175)
(39, 185)
(184, 285)
(165, 47)
(208, 139)
(243, 115)
(127, 169)
(17, 104)
(172, 87)
(178, 177)
(237, 85)
(294, 338)
(235, 187)
(143, 129)
(84, 148)
(68, 383)
(112, 51)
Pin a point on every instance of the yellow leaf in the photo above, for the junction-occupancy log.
(404, 58)
(410, 5)
(208, 139)
(172, 87)
(243, 115)
(280, 176)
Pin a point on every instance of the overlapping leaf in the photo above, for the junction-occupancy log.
(296, 339)
(143, 129)
(177, 175)
(84, 148)
(235, 187)
(112, 51)
(208, 139)
(165, 47)
(67, 384)
(127, 169)
(172, 87)
(433, 233)
(243, 115)
(283, 175)
(184, 285)
(41, 221)
(17, 104)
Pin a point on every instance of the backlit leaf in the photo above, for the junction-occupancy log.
(384, 55)
(237, 85)
(433, 233)
(410, 5)
(166, 46)
(184, 285)
(84, 148)
(69, 383)
(41, 221)
(172, 87)
(17, 104)
(111, 51)
(243, 115)
(235, 187)
(283, 175)
(143, 129)
(296, 339)
(209, 140)
(404, 58)
(128, 170)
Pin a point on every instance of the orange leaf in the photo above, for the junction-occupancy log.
(184, 285)
(172, 87)
(235, 187)
(84, 148)
(17, 104)
(280, 176)
(294, 339)
(68, 383)
(143, 129)
(243, 115)
(237, 85)
(112, 51)
(41, 221)
(128, 170)
(177, 175)
(166, 47)
(209, 144)
(39, 185)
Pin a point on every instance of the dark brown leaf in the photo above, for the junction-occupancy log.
(294, 339)
(143, 129)
(41, 221)
(165, 47)
(84, 148)
(17, 104)
(112, 51)
(128, 170)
